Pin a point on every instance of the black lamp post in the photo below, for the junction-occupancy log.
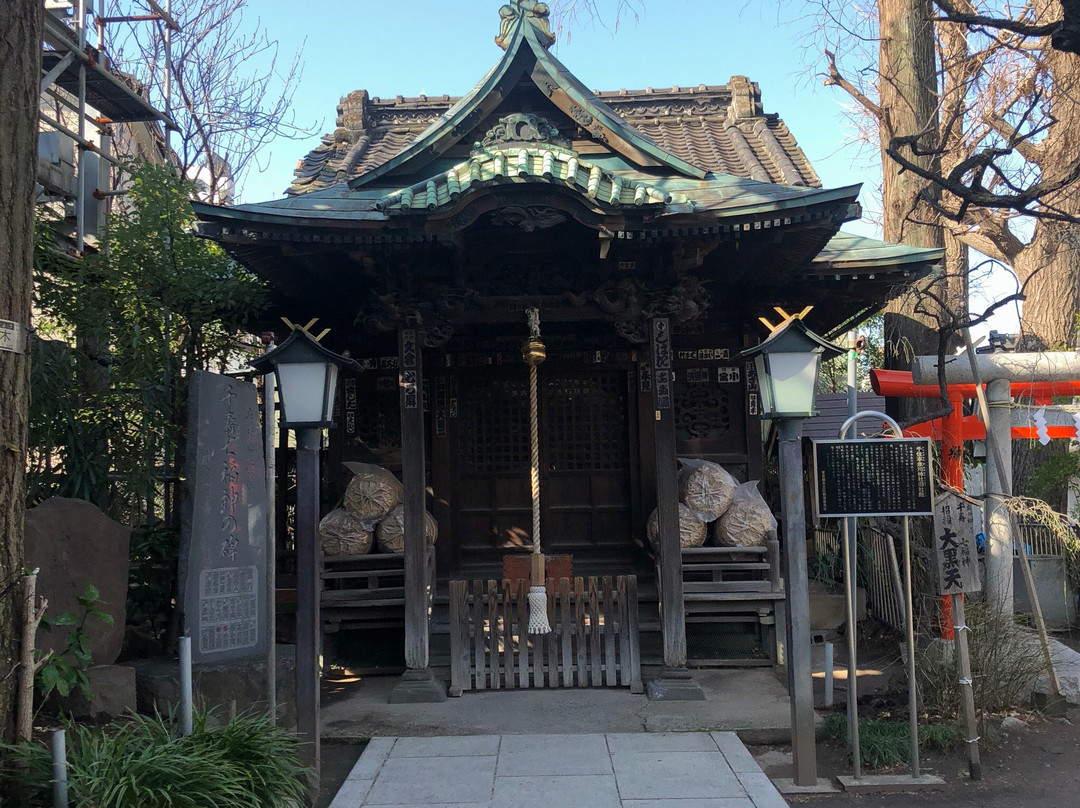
(307, 378)
(788, 362)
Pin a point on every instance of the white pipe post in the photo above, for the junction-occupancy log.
(828, 674)
(999, 556)
(186, 727)
(58, 744)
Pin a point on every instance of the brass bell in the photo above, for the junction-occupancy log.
(533, 351)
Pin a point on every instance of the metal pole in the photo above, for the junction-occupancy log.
(307, 594)
(828, 674)
(852, 653)
(270, 450)
(59, 768)
(801, 673)
(850, 536)
(968, 697)
(185, 687)
(80, 216)
(913, 696)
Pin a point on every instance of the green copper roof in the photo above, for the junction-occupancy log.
(847, 252)
(526, 56)
(543, 163)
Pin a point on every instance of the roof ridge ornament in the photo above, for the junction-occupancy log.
(522, 127)
(529, 10)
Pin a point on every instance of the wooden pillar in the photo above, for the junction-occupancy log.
(418, 684)
(675, 682)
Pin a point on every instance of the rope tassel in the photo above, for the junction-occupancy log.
(534, 352)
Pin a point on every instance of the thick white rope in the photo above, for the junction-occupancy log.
(538, 619)
(534, 446)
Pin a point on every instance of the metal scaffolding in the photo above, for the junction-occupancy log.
(85, 94)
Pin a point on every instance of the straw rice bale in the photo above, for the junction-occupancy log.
(342, 533)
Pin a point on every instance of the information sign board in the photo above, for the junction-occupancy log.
(956, 555)
(873, 477)
(224, 538)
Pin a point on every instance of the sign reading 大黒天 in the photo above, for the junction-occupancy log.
(956, 555)
(873, 477)
(223, 550)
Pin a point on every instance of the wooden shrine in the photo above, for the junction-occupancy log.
(650, 228)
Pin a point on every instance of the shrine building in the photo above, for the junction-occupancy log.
(650, 229)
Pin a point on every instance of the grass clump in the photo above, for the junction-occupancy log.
(886, 743)
(145, 762)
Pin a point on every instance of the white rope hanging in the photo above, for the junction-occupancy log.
(534, 353)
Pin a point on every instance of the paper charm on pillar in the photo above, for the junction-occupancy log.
(1040, 426)
(534, 353)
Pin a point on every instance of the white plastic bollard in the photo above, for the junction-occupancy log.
(185, 687)
(59, 768)
(828, 674)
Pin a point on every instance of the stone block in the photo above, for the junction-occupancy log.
(74, 544)
(828, 610)
(113, 688)
(217, 686)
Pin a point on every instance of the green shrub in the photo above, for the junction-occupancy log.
(1005, 659)
(248, 763)
(886, 743)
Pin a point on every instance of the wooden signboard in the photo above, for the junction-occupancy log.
(874, 477)
(223, 552)
(956, 559)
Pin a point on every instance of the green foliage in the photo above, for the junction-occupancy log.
(153, 554)
(833, 376)
(145, 762)
(128, 327)
(1053, 474)
(887, 742)
(65, 672)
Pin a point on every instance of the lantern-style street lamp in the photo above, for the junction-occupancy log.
(788, 362)
(307, 379)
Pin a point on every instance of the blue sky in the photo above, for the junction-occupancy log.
(409, 47)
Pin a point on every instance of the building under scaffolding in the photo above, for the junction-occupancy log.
(93, 116)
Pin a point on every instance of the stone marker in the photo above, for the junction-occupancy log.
(75, 543)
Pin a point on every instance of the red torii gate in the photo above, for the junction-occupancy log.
(955, 428)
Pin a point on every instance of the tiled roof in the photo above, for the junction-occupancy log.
(720, 128)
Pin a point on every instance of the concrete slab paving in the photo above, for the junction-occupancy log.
(753, 702)
(616, 770)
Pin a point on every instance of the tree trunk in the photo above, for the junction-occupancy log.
(908, 100)
(1050, 266)
(20, 66)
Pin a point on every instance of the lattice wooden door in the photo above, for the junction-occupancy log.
(585, 461)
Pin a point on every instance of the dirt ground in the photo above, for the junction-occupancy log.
(1036, 768)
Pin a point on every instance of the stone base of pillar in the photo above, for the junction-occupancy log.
(418, 686)
(674, 684)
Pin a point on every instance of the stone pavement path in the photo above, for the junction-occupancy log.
(635, 770)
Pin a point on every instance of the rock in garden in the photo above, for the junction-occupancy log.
(390, 534)
(1012, 724)
(74, 543)
(341, 533)
(691, 529)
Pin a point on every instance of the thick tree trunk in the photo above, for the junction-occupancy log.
(908, 102)
(20, 67)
